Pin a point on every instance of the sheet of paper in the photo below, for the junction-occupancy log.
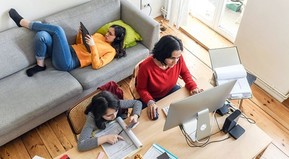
(230, 72)
(155, 151)
(122, 148)
(234, 72)
(152, 153)
(37, 157)
(240, 90)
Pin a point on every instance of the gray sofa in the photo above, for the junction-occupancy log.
(27, 102)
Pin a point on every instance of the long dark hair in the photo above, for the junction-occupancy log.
(118, 43)
(99, 105)
(165, 47)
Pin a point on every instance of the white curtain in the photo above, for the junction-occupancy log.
(178, 12)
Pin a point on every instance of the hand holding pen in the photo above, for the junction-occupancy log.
(130, 126)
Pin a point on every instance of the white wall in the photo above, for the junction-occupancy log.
(263, 44)
(33, 9)
(155, 4)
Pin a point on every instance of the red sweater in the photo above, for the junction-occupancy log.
(153, 82)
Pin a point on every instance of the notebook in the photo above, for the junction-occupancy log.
(123, 148)
(84, 33)
(227, 66)
(234, 72)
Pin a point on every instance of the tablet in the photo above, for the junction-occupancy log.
(84, 33)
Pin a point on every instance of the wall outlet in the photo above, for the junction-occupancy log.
(145, 5)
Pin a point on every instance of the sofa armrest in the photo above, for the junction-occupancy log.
(147, 27)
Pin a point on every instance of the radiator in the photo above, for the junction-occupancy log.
(165, 10)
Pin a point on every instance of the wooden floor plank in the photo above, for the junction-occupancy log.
(199, 67)
(273, 128)
(34, 144)
(50, 140)
(189, 44)
(62, 130)
(14, 150)
(124, 85)
(196, 67)
(204, 35)
(271, 106)
(286, 103)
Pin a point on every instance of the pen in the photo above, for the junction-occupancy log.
(129, 127)
(100, 155)
(120, 132)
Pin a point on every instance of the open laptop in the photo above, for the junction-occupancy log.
(84, 33)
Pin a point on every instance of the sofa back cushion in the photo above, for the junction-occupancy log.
(16, 50)
(92, 14)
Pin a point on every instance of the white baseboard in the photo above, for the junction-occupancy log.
(277, 95)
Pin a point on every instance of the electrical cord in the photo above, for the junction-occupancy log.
(233, 108)
(148, 5)
(215, 117)
(150, 9)
(207, 141)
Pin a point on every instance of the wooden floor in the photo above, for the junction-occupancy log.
(55, 136)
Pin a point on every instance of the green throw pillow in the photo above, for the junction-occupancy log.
(131, 35)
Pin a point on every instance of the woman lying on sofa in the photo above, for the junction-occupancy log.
(50, 40)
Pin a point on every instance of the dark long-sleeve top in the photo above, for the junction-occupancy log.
(86, 140)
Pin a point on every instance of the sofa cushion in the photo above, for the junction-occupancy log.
(131, 36)
(24, 98)
(16, 50)
(123, 67)
(93, 14)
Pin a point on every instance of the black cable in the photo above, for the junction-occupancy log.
(250, 120)
(192, 143)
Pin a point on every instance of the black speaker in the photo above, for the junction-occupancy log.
(237, 131)
(223, 110)
(231, 121)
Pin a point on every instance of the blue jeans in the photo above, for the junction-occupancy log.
(51, 41)
(175, 88)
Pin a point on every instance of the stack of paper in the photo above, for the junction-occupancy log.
(234, 72)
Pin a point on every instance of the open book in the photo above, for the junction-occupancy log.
(123, 148)
(234, 72)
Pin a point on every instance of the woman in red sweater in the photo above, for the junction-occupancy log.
(158, 74)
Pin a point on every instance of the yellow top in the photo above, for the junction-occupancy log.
(101, 53)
